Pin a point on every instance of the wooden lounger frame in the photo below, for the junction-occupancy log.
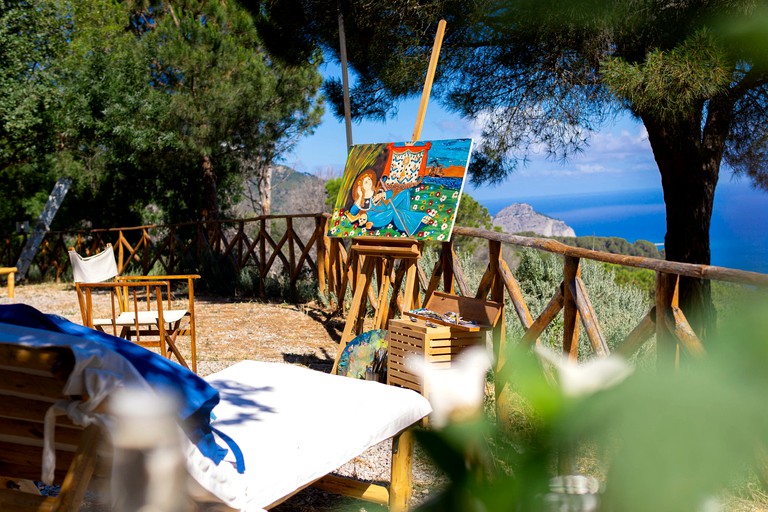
(31, 380)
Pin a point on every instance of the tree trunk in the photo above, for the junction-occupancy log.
(689, 165)
(210, 201)
(264, 188)
(210, 191)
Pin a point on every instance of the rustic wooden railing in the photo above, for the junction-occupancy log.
(296, 244)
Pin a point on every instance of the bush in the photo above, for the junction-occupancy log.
(618, 307)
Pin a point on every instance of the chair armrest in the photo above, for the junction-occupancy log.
(150, 278)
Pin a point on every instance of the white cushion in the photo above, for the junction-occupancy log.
(295, 425)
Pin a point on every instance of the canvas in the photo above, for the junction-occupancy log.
(401, 189)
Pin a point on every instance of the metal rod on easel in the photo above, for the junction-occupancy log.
(428, 83)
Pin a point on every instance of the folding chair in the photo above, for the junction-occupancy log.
(138, 311)
(32, 382)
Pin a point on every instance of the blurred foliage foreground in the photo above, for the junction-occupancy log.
(688, 440)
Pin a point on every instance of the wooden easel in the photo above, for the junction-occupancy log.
(379, 255)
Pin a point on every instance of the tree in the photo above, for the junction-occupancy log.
(471, 214)
(546, 73)
(149, 106)
(231, 107)
(31, 37)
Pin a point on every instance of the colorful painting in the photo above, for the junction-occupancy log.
(365, 357)
(401, 190)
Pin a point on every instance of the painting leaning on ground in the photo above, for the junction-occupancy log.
(399, 189)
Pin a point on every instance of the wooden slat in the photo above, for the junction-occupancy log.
(23, 408)
(666, 346)
(30, 384)
(588, 318)
(50, 360)
(355, 488)
(547, 315)
(31, 433)
(682, 330)
(639, 335)
(18, 501)
(22, 461)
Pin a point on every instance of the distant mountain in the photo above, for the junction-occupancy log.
(521, 218)
(296, 192)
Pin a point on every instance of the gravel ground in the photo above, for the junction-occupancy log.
(229, 331)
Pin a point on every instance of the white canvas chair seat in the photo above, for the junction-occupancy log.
(293, 424)
(101, 268)
(128, 319)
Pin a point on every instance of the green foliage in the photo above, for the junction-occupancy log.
(618, 307)
(670, 83)
(640, 278)
(471, 214)
(142, 107)
(613, 245)
(332, 188)
(664, 441)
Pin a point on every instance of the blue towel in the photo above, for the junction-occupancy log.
(197, 397)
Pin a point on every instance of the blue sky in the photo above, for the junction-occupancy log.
(617, 159)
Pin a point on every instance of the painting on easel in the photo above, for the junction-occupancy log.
(401, 190)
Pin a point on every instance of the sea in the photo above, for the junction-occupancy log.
(738, 234)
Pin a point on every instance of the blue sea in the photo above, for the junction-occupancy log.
(738, 235)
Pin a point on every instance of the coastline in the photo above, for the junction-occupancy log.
(738, 234)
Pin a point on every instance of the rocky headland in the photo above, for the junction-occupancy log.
(522, 218)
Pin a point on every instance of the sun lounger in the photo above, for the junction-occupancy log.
(291, 425)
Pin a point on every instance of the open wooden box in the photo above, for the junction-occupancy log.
(484, 313)
(438, 342)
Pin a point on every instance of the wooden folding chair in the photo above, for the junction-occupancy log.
(141, 317)
(31, 381)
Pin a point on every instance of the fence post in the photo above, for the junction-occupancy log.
(571, 271)
(322, 257)
(667, 349)
(262, 257)
(292, 275)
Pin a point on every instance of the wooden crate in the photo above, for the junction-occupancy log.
(439, 345)
(484, 313)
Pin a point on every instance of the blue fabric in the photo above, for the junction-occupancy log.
(396, 209)
(197, 397)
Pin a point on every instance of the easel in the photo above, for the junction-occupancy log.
(379, 255)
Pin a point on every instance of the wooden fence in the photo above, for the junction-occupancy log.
(294, 245)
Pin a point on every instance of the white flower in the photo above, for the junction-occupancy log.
(577, 380)
(457, 391)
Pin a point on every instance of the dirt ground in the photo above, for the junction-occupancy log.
(229, 331)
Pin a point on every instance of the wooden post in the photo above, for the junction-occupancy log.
(570, 311)
(446, 256)
(571, 271)
(667, 351)
(428, 82)
(291, 254)
(322, 257)
(262, 257)
(401, 479)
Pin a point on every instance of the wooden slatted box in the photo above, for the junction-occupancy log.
(438, 342)
(438, 345)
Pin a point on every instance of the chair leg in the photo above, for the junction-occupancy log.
(401, 478)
